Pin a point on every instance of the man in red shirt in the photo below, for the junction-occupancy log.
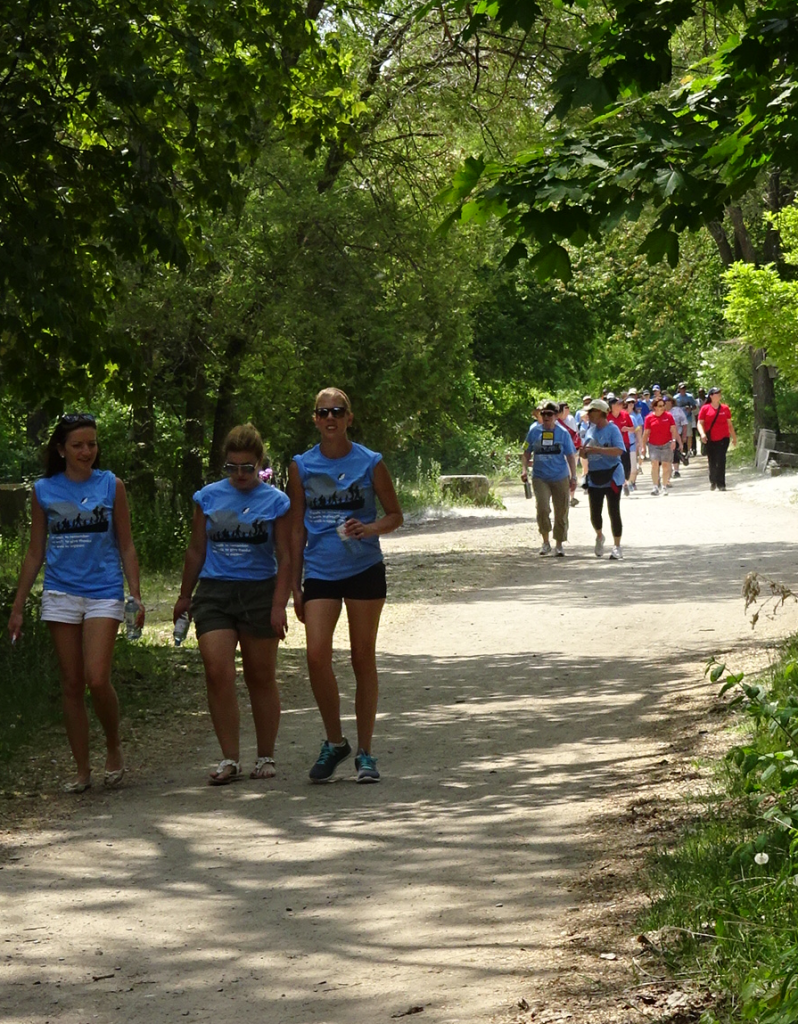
(716, 429)
(623, 421)
(660, 435)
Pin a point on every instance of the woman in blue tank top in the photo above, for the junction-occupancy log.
(239, 554)
(335, 534)
(80, 528)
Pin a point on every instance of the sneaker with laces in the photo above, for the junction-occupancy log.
(328, 760)
(558, 551)
(366, 767)
(676, 474)
(545, 549)
(616, 555)
(655, 490)
(599, 545)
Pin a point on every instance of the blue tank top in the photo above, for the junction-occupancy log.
(239, 530)
(337, 490)
(82, 555)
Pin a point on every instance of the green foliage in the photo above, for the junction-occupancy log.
(161, 532)
(762, 307)
(732, 885)
(119, 127)
(29, 692)
(627, 133)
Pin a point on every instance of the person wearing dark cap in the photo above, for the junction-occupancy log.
(680, 419)
(687, 403)
(716, 429)
(603, 447)
(553, 475)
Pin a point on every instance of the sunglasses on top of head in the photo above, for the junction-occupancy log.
(78, 417)
(336, 411)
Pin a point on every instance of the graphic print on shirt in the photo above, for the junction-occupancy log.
(65, 517)
(322, 494)
(546, 445)
(229, 532)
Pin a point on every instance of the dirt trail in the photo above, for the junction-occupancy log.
(523, 700)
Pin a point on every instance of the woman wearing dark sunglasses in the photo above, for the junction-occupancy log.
(239, 553)
(335, 534)
(80, 529)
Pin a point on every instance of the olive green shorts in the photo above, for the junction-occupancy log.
(242, 605)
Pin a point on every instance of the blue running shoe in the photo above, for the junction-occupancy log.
(366, 767)
(328, 760)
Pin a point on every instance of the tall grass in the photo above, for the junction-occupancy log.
(29, 691)
(730, 887)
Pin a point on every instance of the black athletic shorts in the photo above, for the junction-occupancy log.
(363, 586)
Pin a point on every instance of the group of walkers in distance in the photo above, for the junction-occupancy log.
(610, 437)
(251, 548)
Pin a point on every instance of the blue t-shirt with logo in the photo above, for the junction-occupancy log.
(337, 490)
(605, 437)
(549, 447)
(82, 556)
(239, 530)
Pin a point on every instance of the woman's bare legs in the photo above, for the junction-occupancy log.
(321, 618)
(259, 658)
(85, 653)
(364, 621)
(218, 650)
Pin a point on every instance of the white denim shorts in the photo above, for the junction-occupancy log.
(60, 607)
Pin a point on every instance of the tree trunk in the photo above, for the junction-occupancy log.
(142, 476)
(225, 415)
(192, 372)
(765, 416)
(142, 471)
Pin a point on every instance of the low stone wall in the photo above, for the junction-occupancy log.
(477, 488)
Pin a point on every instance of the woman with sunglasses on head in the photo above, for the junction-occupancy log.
(238, 552)
(335, 535)
(80, 529)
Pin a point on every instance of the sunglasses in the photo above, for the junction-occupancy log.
(548, 412)
(336, 411)
(239, 467)
(78, 417)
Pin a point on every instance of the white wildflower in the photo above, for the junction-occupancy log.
(761, 858)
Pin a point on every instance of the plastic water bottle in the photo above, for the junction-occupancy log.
(527, 489)
(181, 629)
(132, 631)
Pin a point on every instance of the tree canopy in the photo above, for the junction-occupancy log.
(676, 105)
(121, 125)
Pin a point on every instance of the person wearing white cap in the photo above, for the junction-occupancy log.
(603, 447)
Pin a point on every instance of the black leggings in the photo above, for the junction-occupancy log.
(596, 497)
(716, 461)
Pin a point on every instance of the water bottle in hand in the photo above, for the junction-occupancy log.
(132, 631)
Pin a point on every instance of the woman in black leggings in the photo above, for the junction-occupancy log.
(603, 447)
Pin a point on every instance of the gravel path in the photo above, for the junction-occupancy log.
(522, 700)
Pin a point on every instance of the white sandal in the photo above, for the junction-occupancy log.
(226, 771)
(264, 769)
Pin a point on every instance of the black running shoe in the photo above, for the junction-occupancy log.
(328, 760)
